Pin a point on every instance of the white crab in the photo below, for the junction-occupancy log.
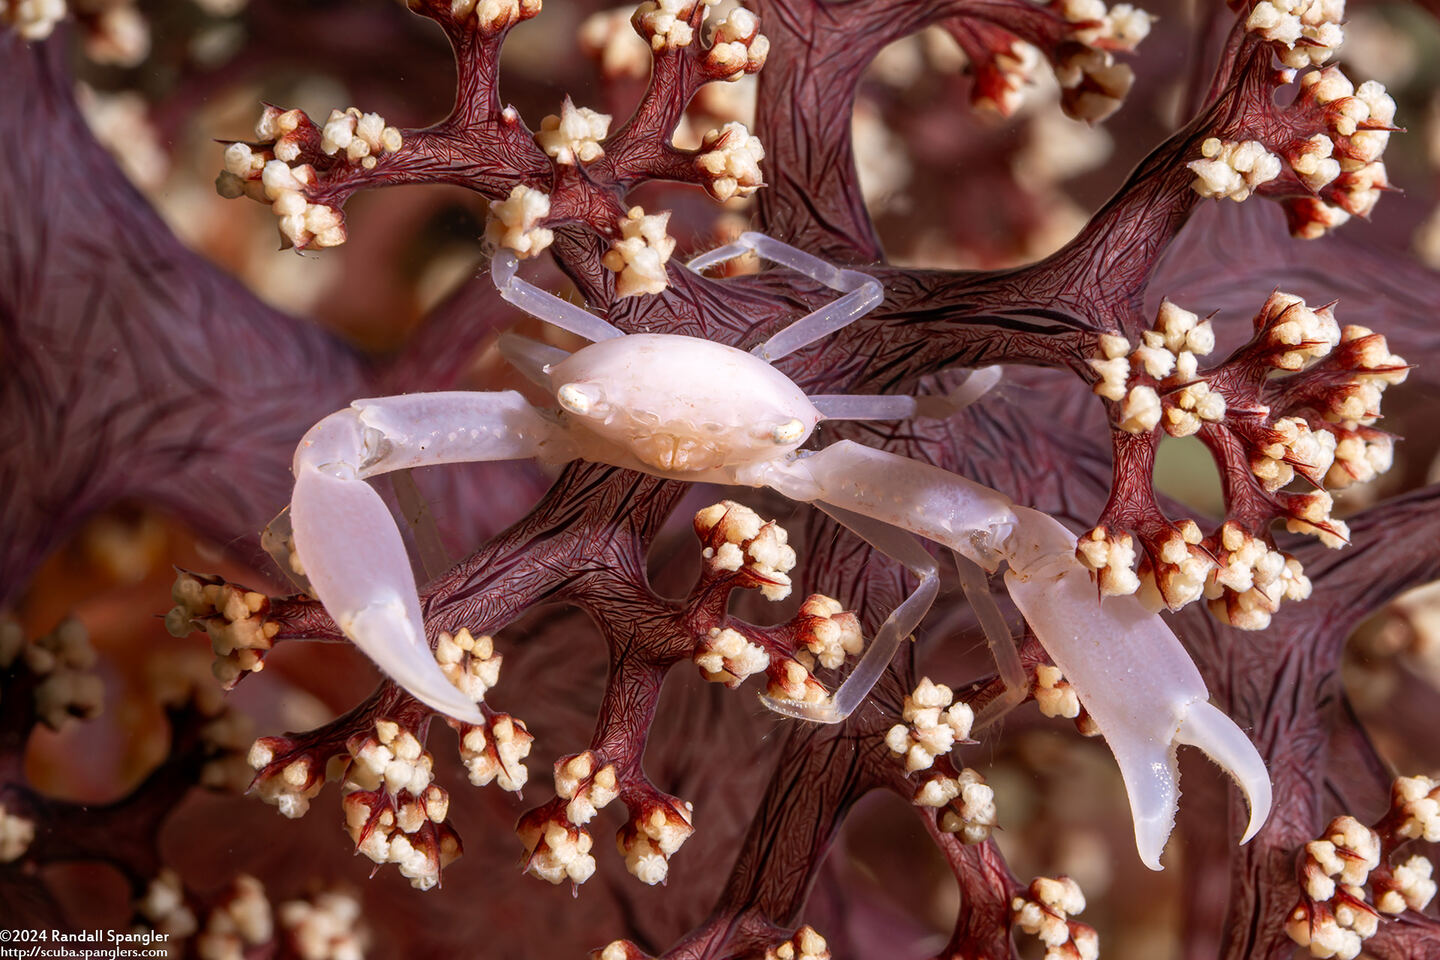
(691, 409)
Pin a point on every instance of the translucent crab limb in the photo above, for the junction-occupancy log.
(976, 587)
(899, 546)
(545, 305)
(862, 293)
(847, 406)
(346, 538)
(530, 357)
(1133, 677)
(1127, 667)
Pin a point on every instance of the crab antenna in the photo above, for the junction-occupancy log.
(530, 357)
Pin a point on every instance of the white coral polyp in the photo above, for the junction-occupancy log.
(933, 723)
(1288, 22)
(515, 222)
(727, 657)
(1093, 85)
(16, 834)
(738, 47)
(729, 160)
(494, 15)
(1232, 170)
(1120, 27)
(639, 256)
(664, 23)
(574, 135)
(33, 19)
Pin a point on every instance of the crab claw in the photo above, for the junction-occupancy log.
(1133, 677)
(355, 560)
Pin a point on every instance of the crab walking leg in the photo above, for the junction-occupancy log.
(862, 293)
(899, 546)
(855, 406)
(545, 305)
(1127, 667)
(976, 587)
(346, 538)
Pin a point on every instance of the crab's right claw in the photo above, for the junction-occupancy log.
(356, 563)
(1207, 727)
(1133, 677)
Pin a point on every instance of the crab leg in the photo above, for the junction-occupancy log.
(862, 293)
(545, 305)
(976, 587)
(1128, 668)
(346, 539)
(897, 545)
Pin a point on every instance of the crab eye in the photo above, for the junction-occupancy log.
(788, 432)
(581, 399)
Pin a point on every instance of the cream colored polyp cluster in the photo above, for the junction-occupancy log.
(1120, 27)
(557, 850)
(61, 662)
(1251, 580)
(470, 663)
(1053, 695)
(748, 542)
(609, 38)
(394, 764)
(292, 788)
(805, 945)
(1092, 84)
(738, 46)
(1288, 22)
(1417, 801)
(1172, 579)
(33, 19)
(233, 619)
(16, 835)
(1233, 170)
(827, 632)
(575, 135)
(241, 920)
(653, 836)
(587, 789)
(967, 802)
(639, 256)
(1362, 453)
(496, 751)
(1046, 913)
(1167, 354)
(729, 160)
(1334, 917)
(1016, 67)
(1348, 852)
(362, 136)
(515, 222)
(1351, 167)
(163, 906)
(725, 656)
(494, 15)
(327, 927)
(933, 723)
(302, 223)
(664, 23)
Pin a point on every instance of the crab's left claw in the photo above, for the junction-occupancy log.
(1134, 679)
